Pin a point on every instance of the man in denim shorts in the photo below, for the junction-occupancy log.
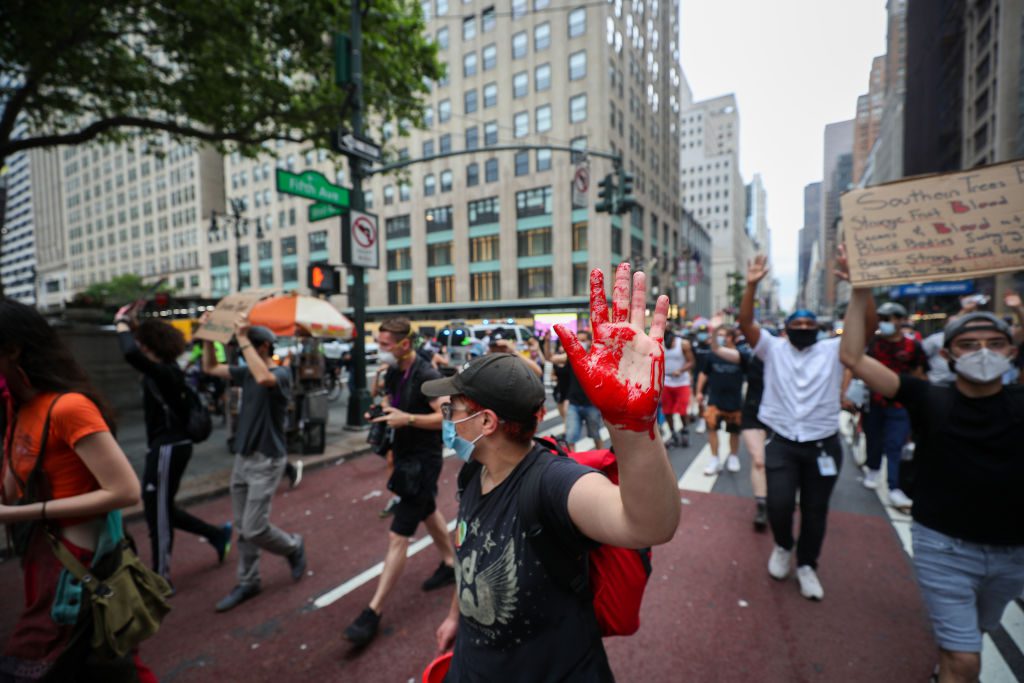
(968, 535)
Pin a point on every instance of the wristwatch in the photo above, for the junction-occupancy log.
(412, 420)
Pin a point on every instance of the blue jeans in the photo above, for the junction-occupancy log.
(576, 417)
(966, 586)
(886, 430)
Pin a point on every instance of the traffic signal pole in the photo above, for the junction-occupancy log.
(359, 401)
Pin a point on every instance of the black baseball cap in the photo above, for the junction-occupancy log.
(500, 382)
(258, 334)
(977, 320)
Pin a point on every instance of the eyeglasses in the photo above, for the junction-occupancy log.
(885, 318)
(449, 409)
(969, 345)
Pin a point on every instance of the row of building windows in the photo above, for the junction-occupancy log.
(532, 283)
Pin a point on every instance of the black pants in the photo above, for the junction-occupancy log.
(165, 466)
(793, 466)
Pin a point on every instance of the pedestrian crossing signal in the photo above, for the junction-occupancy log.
(323, 278)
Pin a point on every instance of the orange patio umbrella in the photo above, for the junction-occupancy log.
(283, 314)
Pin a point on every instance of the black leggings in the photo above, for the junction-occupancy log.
(165, 466)
(793, 466)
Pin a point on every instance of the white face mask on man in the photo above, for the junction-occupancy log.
(981, 366)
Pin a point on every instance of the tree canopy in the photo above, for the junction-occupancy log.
(234, 73)
(120, 290)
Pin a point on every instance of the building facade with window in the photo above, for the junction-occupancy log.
(140, 208)
(496, 230)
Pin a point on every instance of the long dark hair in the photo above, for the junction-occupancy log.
(44, 357)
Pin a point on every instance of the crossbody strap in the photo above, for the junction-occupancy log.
(43, 441)
(89, 580)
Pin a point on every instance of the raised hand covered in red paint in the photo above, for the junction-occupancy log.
(624, 369)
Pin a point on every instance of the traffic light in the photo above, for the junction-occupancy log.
(606, 193)
(323, 279)
(626, 200)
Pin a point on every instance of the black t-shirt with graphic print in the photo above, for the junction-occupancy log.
(515, 623)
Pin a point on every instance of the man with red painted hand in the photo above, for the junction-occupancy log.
(509, 619)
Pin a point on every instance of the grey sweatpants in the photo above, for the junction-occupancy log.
(253, 482)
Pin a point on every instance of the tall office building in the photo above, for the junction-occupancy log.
(133, 209)
(993, 86)
(868, 121)
(494, 232)
(50, 234)
(756, 207)
(808, 238)
(836, 179)
(885, 162)
(17, 239)
(713, 189)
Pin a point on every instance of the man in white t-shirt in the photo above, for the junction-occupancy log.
(800, 405)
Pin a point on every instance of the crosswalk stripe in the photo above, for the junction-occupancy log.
(1013, 624)
(994, 668)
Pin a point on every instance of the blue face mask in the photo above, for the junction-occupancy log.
(450, 438)
(886, 329)
(702, 336)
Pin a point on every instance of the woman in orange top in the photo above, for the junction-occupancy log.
(86, 476)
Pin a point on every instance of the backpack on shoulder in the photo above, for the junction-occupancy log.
(196, 424)
(612, 578)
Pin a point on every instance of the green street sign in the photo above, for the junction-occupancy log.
(319, 211)
(311, 185)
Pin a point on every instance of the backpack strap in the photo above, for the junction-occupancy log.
(171, 419)
(568, 569)
(37, 468)
(468, 472)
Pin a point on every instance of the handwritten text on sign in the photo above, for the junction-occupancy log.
(221, 325)
(937, 228)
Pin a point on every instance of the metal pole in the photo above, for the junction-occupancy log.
(359, 402)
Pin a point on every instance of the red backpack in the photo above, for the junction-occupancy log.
(613, 578)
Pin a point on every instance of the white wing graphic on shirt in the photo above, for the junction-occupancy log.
(496, 588)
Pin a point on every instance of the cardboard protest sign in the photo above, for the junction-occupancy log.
(221, 325)
(943, 227)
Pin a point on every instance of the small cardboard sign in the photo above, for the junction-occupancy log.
(943, 227)
(221, 325)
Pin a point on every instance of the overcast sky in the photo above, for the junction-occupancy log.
(794, 65)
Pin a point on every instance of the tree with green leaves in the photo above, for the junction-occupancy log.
(231, 73)
(120, 290)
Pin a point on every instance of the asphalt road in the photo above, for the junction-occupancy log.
(711, 612)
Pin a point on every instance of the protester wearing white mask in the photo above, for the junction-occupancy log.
(968, 536)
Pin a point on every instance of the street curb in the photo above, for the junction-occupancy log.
(221, 487)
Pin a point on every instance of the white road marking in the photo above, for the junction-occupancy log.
(994, 668)
(335, 594)
(693, 478)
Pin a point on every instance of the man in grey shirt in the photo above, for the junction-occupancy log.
(259, 456)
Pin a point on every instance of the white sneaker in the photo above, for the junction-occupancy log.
(714, 466)
(871, 479)
(810, 587)
(732, 463)
(898, 499)
(702, 426)
(780, 562)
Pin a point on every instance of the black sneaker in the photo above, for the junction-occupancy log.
(684, 440)
(761, 517)
(297, 560)
(223, 545)
(364, 629)
(442, 576)
(237, 596)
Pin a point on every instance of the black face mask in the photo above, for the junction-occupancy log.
(801, 339)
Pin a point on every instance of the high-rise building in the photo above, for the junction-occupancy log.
(869, 116)
(993, 83)
(808, 237)
(713, 189)
(756, 201)
(885, 161)
(17, 236)
(837, 178)
(132, 209)
(933, 111)
(481, 231)
(50, 234)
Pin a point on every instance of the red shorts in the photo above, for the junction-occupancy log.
(675, 400)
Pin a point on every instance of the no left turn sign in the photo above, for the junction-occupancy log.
(580, 185)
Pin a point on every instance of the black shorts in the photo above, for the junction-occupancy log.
(409, 512)
(749, 419)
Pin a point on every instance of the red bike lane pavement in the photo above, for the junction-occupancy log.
(711, 612)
